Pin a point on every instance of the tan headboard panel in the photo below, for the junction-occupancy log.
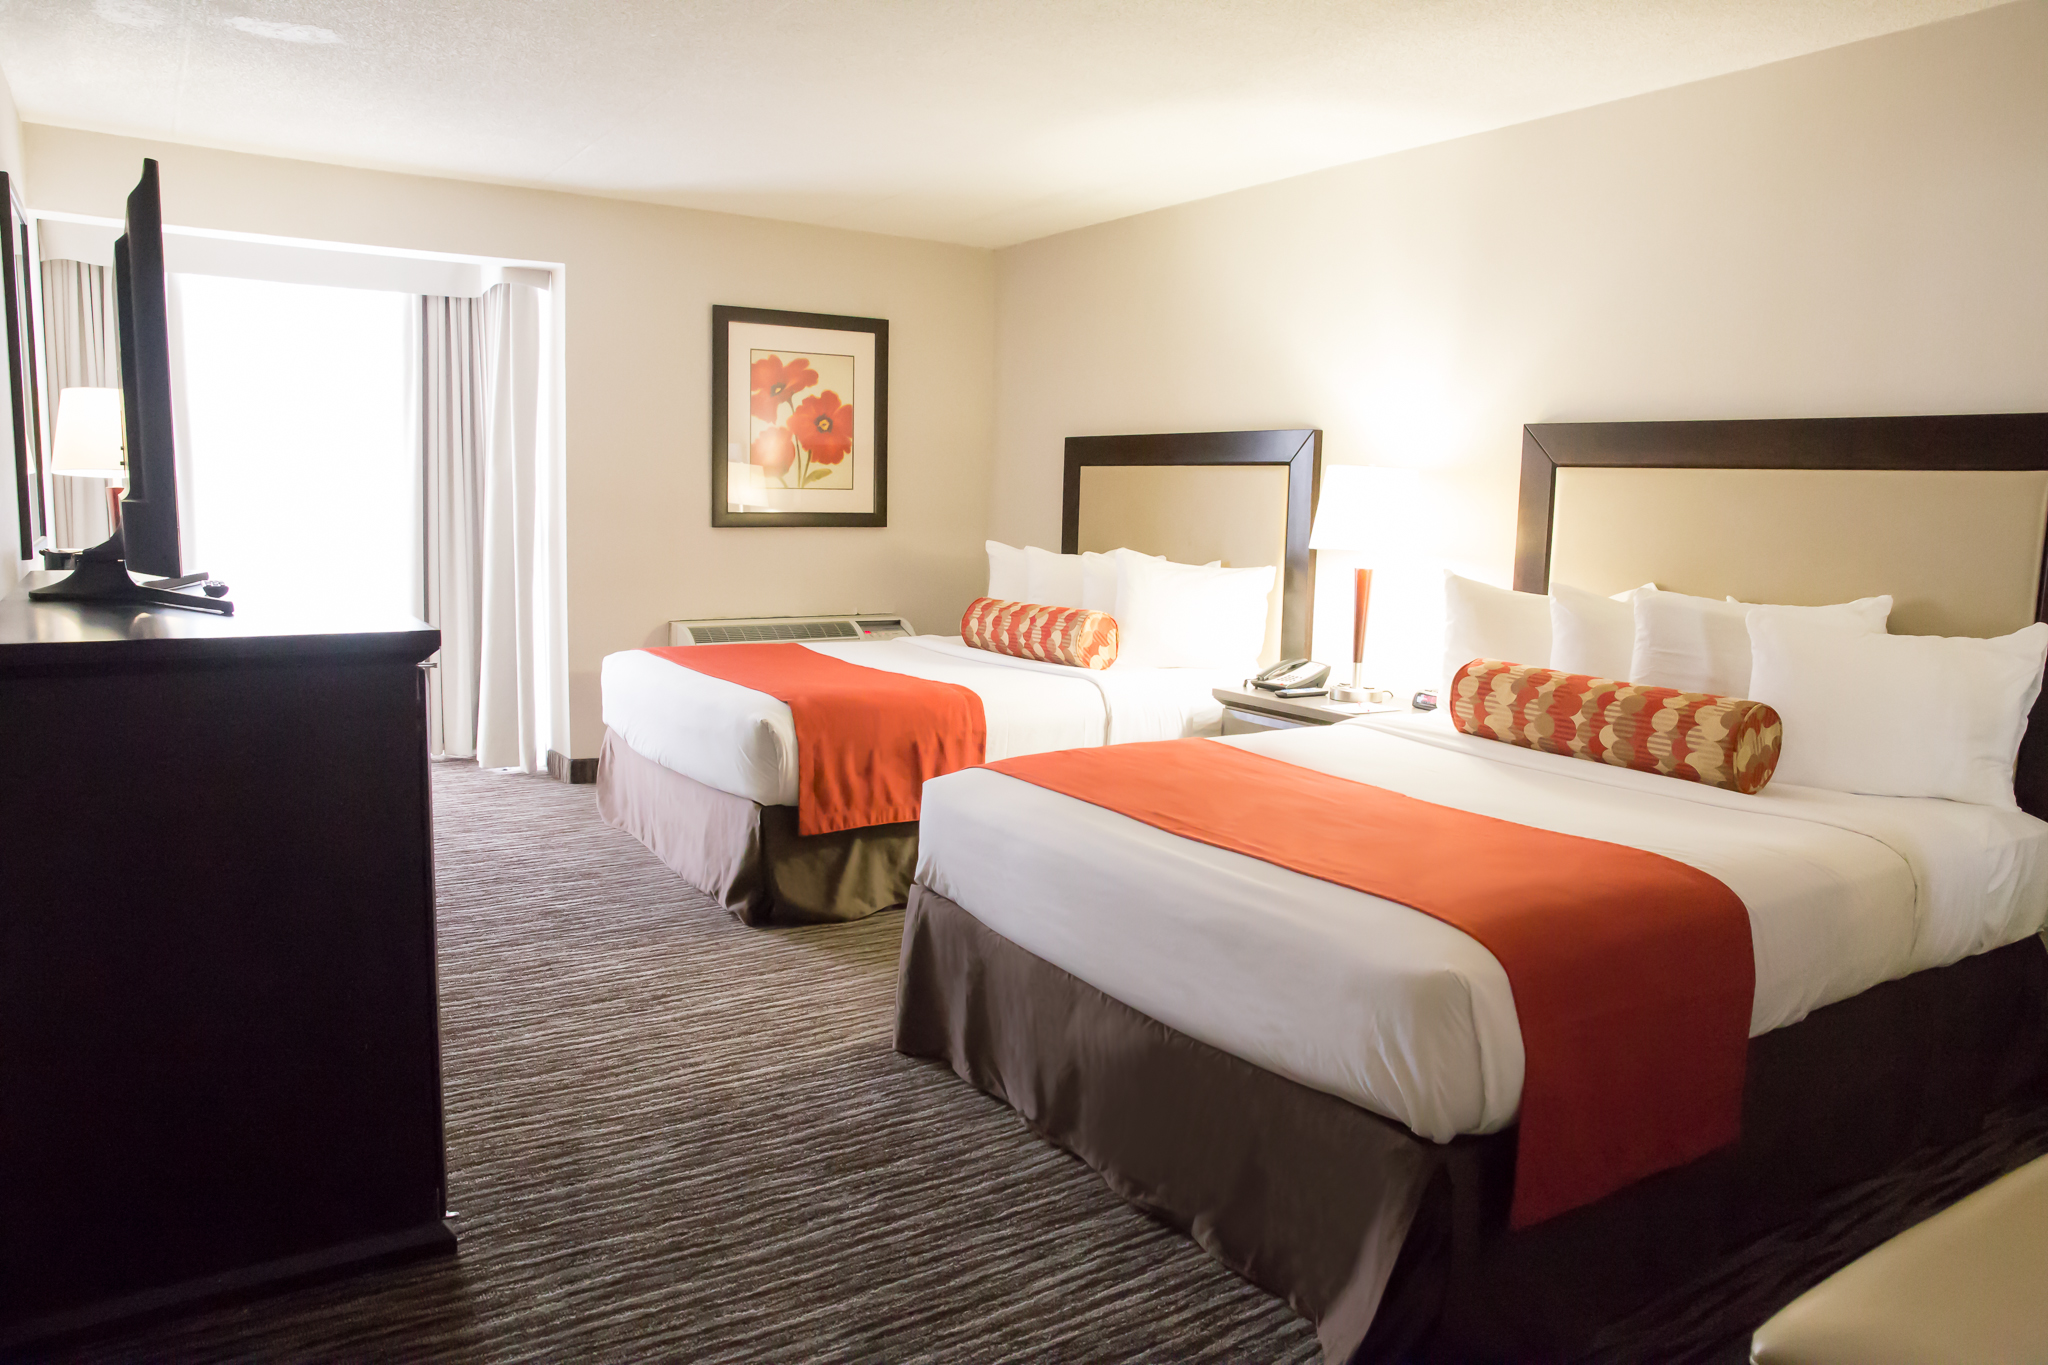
(1960, 549)
(1193, 514)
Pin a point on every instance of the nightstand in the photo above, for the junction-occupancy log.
(1248, 711)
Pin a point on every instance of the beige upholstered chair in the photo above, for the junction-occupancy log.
(1967, 1287)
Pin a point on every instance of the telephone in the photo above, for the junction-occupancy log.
(1293, 675)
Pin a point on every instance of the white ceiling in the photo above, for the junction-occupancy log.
(986, 122)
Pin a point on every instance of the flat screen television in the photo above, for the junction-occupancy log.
(147, 538)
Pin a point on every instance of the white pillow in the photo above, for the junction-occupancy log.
(1592, 634)
(1006, 574)
(1051, 580)
(1485, 622)
(1896, 715)
(1098, 582)
(1188, 616)
(1098, 577)
(1697, 644)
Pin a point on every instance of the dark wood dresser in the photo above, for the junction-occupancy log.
(219, 1039)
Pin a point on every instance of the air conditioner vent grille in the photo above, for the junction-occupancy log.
(781, 630)
(794, 629)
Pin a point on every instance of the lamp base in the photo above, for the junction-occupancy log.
(1353, 694)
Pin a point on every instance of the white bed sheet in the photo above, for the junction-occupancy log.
(1402, 1014)
(744, 742)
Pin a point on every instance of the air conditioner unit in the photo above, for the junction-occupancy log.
(747, 629)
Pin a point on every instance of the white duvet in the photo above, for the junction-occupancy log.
(744, 742)
(1402, 1014)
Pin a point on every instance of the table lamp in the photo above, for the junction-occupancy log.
(91, 443)
(1365, 512)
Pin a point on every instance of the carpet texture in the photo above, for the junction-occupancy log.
(671, 1136)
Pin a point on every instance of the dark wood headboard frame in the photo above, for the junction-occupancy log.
(1300, 450)
(2016, 440)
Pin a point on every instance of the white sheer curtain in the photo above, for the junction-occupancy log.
(450, 376)
(81, 348)
(507, 709)
(479, 400)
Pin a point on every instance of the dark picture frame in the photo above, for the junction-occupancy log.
(779, 458)
(31, 481)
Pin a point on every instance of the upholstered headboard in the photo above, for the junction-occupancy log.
(1244, 497)
(1947, 514)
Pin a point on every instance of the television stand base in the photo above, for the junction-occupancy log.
(106, 582)
(190, 580)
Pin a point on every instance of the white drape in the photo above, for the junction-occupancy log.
(81, 348)
(451, 403)
(479, 385)
(506, 707)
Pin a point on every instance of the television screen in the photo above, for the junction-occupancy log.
(147, 538)
(149, 509)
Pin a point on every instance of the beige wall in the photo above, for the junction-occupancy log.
(641, 281)
(1859, 231)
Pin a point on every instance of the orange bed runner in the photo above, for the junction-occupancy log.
(866, 740)
(1632, 973)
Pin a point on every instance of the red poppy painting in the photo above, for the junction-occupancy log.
(799, 418)
(774, 381)
(774, 452)
(823, 426)
(802, 428)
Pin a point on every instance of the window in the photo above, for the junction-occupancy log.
(296, 442)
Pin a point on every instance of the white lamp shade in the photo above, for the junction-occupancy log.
(90, 443)
(1368, 512)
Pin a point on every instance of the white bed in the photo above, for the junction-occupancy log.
(1321, 1086)
(1403, 1015)
(736, 740)
(704, 771)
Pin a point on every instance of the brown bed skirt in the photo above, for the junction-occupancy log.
(749, 857)
(1397, 1248)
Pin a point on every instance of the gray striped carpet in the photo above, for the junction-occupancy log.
(670, 1136)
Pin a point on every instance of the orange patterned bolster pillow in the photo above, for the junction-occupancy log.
(1053, 635)
(1721, 741)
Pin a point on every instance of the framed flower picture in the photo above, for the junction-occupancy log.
(799, 419)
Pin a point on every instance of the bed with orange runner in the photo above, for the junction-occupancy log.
(1467, 1049)
(783, 778)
